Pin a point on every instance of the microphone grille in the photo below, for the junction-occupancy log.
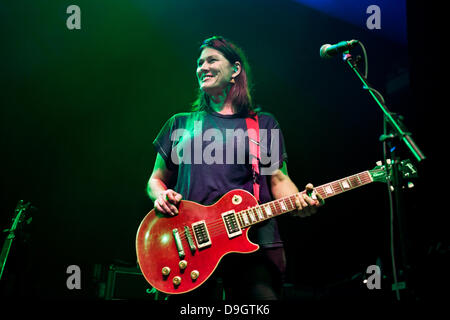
(323, 51)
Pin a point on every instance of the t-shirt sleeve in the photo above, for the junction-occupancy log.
(279, 139)
(163, 142)
(272, 148)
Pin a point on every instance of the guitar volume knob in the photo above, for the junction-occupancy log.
(195, 274)
(176, 280)
(165, 271)
(182, 264)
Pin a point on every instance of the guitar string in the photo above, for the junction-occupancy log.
(220, 220)
(220, 229)
(218, 225)
(215, 227)
(276, 204)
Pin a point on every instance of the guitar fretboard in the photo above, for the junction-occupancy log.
(277, 207)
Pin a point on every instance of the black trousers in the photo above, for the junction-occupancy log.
(255, 276)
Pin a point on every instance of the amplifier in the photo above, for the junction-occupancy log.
(127, 283)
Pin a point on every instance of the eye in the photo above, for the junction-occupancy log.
(210, 60)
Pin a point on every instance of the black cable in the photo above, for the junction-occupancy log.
(388, 178)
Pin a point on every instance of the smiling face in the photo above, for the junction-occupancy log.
(214, 71)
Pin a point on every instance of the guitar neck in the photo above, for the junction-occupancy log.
(277, 207)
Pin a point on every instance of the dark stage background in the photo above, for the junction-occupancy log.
(80, 109)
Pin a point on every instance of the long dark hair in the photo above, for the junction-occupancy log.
(240, 92)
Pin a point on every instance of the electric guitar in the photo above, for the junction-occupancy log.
(178, 254)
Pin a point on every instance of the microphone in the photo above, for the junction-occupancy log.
(328, 50)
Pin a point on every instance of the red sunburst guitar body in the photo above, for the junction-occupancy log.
(157, 249)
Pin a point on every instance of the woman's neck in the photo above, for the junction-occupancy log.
(221, 104)
(225, 108)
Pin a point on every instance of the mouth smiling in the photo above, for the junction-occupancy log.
(207, 76)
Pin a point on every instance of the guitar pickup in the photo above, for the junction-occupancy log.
(201, 234)
(178, 243)
(231, 224)
(189, 239)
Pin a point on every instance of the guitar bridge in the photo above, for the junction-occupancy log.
(231, 224)
(201, 234)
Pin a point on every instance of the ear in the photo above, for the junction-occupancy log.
(236, 69)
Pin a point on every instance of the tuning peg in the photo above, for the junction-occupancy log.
(380, 163)
(409, 185)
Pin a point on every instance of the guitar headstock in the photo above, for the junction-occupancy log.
(407, 169)
(381, 172)
(378, 173)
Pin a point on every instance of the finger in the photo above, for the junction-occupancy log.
(303, 201)
(298, 204)
(170, 197)
(177, 197)
(165, 207)
(301, 204)
(159, 208)
(309, 189)
(313, 204)
(173, 209)
(303, 211)
(320, 199)
(310, 201)
(174, 197)
(299, 207)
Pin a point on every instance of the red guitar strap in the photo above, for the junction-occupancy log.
(253, 138)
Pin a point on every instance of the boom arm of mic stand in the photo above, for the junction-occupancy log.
(404, 136)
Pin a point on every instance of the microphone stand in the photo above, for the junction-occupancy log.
(20, 211)
(392, 128)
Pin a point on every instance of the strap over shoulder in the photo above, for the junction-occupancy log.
(253, 138)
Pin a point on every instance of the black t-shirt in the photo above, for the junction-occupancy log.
(210, 154)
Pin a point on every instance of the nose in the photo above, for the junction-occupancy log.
(202, 70)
